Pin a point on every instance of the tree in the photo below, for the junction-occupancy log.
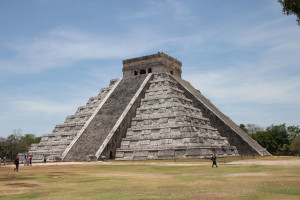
(295, 146)
(274, 138)
(13, 141)
(253, 128)
(280, 135)
(291, 7)
(4, 147)
(16, 143)
(27, 140)
(265, 140)
(243, 127)
(294, 131)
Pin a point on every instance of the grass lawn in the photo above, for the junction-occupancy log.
(259, 178)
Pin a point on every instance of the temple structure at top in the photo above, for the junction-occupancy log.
(156, 63)
(149, 113)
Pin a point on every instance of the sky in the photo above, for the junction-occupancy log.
(55, 54)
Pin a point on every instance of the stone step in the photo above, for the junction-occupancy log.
(48, 152)
(154, 91)
(164, 126)
(174, 117)
(166, 103)
(54, 142)
(200, 152)
(67, 127)
(78, 117)
(71, 124)
(171, 98)
(86, 109)
(176, 137)
(164, 146)
(177, 141)
(161, 81)
(61, 134)
(96, 99)
(166, 108)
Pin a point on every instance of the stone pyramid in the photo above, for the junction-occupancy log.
(150, 113)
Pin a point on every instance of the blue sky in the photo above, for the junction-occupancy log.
(56, 54)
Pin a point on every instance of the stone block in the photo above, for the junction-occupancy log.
(165, 153)
(140, 153)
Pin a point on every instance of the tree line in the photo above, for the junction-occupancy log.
(16, 143)
(277, 139)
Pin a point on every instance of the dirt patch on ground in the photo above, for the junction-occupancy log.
(211, 196)
(60, 174)
(17, 188)
(22, 184)
(13, 178)
(127, 175)
(294, 162)
(247, 174)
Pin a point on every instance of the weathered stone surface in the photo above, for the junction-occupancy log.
(227, 128)
(103, 122)
(167, 125)
(157, 115)
(155, 63)
(53, 145)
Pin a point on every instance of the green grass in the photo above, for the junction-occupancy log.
(190, 179)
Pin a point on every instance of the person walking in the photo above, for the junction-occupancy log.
(27, 160)
(214, 160)
(17, 164)
(45, 159)
(30, 160)
(4, 161)
(24, 161)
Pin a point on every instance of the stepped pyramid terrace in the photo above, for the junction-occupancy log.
(149, 113)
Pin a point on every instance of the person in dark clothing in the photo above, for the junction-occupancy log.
(45, 159)
(17, 162)
(214, 160)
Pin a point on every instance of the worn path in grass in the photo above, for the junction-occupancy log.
(259, 178)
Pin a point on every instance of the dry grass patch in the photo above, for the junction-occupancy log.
(154, 180)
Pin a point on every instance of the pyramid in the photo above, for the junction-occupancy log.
(149, 113)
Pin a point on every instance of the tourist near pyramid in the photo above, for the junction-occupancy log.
(150, 113)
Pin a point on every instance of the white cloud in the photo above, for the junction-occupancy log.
(244, 85)
(62, 48)
(271, 77)
(42, 106)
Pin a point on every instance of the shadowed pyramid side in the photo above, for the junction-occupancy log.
(53, 145)
(100, 127)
